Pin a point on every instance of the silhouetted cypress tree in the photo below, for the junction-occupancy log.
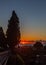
(2, 38)
(13, 31)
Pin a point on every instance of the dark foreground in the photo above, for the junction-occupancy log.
(25, 55)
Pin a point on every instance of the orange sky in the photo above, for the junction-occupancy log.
(33, 34)
(32, 37)
(32, 18)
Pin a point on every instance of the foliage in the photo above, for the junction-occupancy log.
(2, 38)
(38, 45)
(13, 31)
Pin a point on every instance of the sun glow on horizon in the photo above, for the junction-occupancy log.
(26, 42)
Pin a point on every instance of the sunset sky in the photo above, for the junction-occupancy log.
(32, 17)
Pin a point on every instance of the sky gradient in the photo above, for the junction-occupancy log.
(32, 17)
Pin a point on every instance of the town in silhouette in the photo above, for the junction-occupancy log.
(13, 54)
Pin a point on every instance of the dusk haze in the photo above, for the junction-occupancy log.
(22, 32)
(31, 14)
